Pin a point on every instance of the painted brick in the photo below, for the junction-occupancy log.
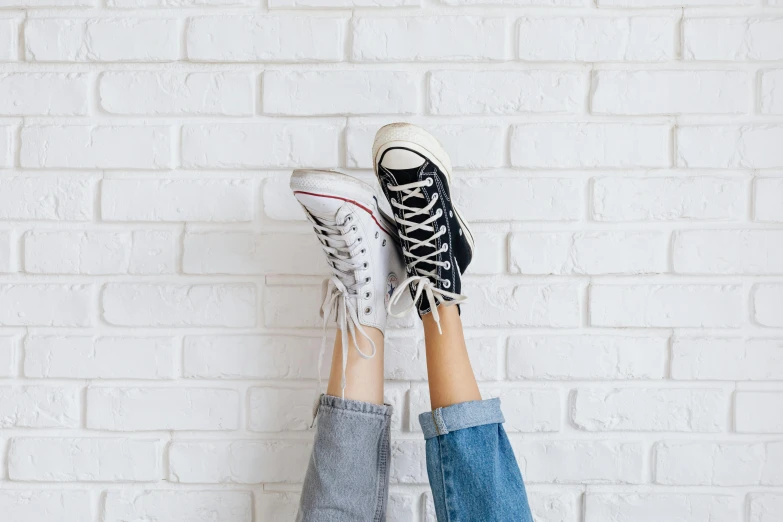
(767, 194)
(83, 357)
(46, 198)
(251, 357)
(176, 94)
(765, 303)
(587, 253)
(178, 506)
(101, 39)
(523, 305)
(596, 39)
(741, 39)
(265, 39)
(232, 305)
(210, 200)
(758, 412)
(519, 199)
(96, 147)
(506, 92)
(238, 461)
(644, 507)
(730, 146)
(671, 92)
(662, 306)
(575, 145)
(288, 4)
(247, 145)
(580, 462)
(727, 359)
(588, 357)
(64, 506)
(662, 409)
(8, 364)
(9, 36)
(45, 305)
(280, 409)
(145, 409)
(339, 92)
(28, 94)
(668, 199)
(39, 407)
(84, 460)
(717, 464)
(728, 251)
(428, 38)
(772, 92)
(247, 253)
(765, 507)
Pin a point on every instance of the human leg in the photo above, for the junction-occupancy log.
(472, 470)
(348, 472)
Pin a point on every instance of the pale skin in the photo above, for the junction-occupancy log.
(450, 375)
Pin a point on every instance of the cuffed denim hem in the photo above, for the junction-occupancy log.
(460, 416)
(337, 403)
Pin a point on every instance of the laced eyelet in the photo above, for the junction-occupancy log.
(359, 240)
(363, 250)
(429, 182)
(439, 213)
(368, 310)
(443, 228)
(364, 265)
(435, 198)
(445, 247)
(349, 218)
(368, 279)
(353, 228)
(447, 266)
(367, 295)
(451, 214)
(447, 284)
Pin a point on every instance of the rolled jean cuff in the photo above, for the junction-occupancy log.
(460, 416)
(328, 402)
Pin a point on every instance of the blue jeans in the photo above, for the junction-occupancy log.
(472, 470)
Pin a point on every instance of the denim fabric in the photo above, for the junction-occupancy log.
(472, 469)
(347, 478)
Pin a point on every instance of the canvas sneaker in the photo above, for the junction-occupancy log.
(361, 247)
(415, 175)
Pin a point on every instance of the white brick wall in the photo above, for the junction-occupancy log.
(621, 164)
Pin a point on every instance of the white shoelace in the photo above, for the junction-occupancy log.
(423, 278)
(341, 290)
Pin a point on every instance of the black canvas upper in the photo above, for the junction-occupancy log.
(459, 253)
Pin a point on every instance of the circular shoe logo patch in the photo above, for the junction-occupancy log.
(391, 285)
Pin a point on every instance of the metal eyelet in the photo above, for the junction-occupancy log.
(443, 228)
(447, 284)
(349, 218)
(368, 310)
(367, 295)
(429, 182)
(383, 243)
(376, 234)
(363, 250)
(435, 198)
(368, 280)
(364, 265)
(447, 266)
(451, 214)
(439, 213)
(353, 228)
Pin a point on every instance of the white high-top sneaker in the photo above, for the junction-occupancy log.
(361, 248)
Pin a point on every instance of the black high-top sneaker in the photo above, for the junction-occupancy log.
(415, 173)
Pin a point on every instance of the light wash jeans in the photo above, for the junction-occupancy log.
(472, 470)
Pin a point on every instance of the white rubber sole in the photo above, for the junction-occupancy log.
(332, 183)
(415, 138)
